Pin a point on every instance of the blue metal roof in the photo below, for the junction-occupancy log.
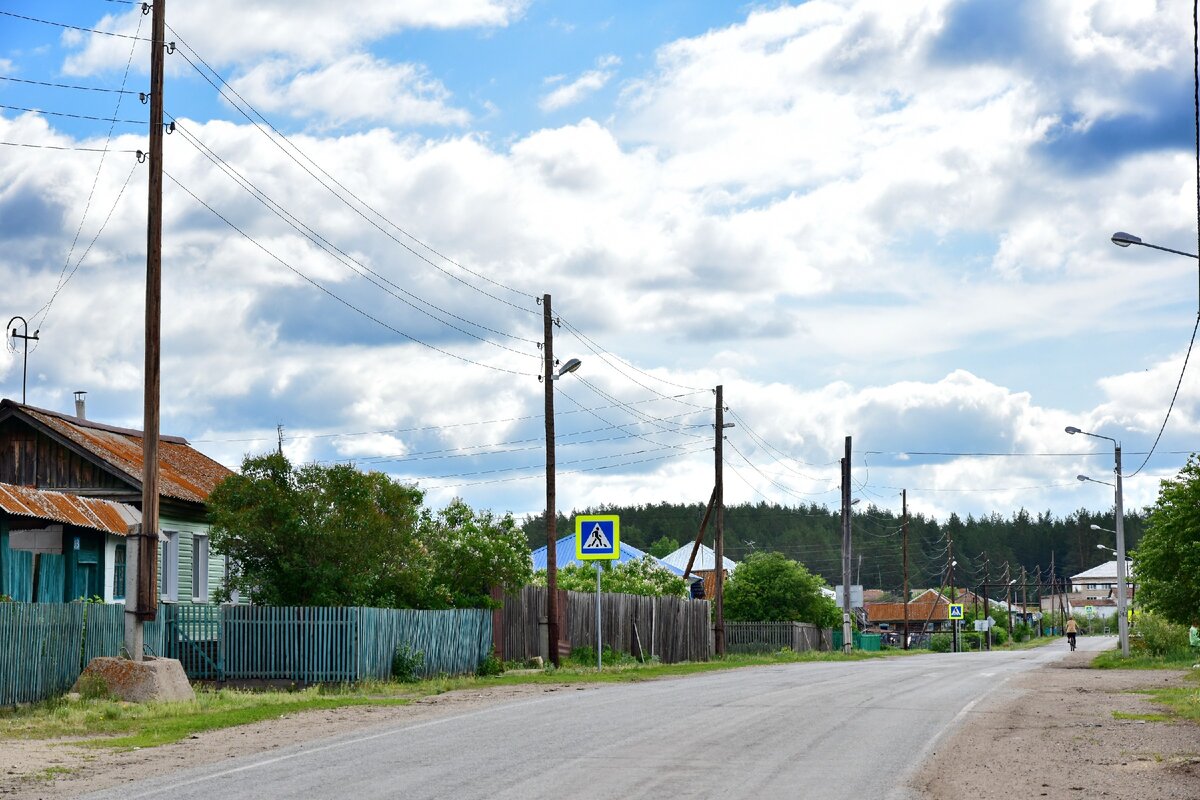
(564, 553)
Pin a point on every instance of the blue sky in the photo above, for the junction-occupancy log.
(888, 221)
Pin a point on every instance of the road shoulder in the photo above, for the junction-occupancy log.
(1051, 732)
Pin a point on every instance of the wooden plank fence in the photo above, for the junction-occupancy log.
(768, 637)
(46, 645)
(671, 629)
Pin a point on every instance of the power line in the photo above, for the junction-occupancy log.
(44, 311)
(73, 27)
(66, 85)
(335, 252)
(332, 294)
(67, 147)
(422, 428)
(73, 116)
(292, 155)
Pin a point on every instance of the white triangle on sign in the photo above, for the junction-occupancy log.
(597, 540)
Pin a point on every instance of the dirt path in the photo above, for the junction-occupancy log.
(1047, 733)
(1051, 733)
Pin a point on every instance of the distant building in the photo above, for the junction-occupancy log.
(703, 567)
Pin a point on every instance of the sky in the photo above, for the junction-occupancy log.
(888, 221)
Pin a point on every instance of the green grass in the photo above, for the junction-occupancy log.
(1112, 659)
(128, 725)
(1142, 717)
(1183, 702)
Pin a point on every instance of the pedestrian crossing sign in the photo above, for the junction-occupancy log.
(956, 611)
(597, 537)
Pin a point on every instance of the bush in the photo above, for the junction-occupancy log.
(93, 687)
(586, 657)
(940, 643)
(1158, 637)
(999, 635)
(490, 666)
(407, 664)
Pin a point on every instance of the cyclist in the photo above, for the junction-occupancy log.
(1072, 628)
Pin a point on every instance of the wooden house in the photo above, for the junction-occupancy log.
(67, 460)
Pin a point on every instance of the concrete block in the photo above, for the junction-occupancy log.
(150, 680)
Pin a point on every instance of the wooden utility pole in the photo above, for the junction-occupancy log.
(712, 500)
(141, 602)
(953, 622)
(1024, 597)
(551, 509)
(719, 536)
(904, 510)
(1037, 575)
(847, 632)
(987, 608)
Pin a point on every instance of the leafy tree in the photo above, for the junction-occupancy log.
(470, 552)
(318, 535)
(1168, 558)
(771, 587)
(664, 546)
(641, 576)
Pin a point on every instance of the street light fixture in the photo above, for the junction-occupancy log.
(1098, 528)
(1119, 516)
(1123, 239)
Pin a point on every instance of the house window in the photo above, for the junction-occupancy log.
(1092, 586)
(118, 587)
(200, 568)
(168, 574)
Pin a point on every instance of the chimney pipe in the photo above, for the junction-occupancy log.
(80, 405)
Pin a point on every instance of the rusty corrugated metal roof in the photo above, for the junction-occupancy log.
(85, 512)
(184, 472)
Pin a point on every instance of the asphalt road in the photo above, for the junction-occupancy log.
(832, 730)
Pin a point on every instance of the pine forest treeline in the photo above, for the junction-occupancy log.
(812, 535)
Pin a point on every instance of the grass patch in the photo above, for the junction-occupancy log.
(50, 773)
(1112, 659)
(129, 725)
(1142, 717)
(1183, 702)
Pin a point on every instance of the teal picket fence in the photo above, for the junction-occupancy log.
(46, 645)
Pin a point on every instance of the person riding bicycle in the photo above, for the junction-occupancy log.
(1072, 628)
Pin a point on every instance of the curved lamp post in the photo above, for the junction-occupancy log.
(27, 338)
(1123, 239)
(1119, 516)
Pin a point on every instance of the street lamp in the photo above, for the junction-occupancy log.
(27, 338)
(1119, 516)
(1123, 239)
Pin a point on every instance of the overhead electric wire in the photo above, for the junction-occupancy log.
(63, 276)
(561, 472)
(73, 116)
(643, 437)
(336, 194)
(788, 490)
(66, 147)
(766, 444)
(1195, 327)
(51, 84)
(73, 27)
(422, 428)
(481, 449)
(634, 412)
(334, 295)
(595, 348)
(344, 258)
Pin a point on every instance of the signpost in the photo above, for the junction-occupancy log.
(598, 538)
